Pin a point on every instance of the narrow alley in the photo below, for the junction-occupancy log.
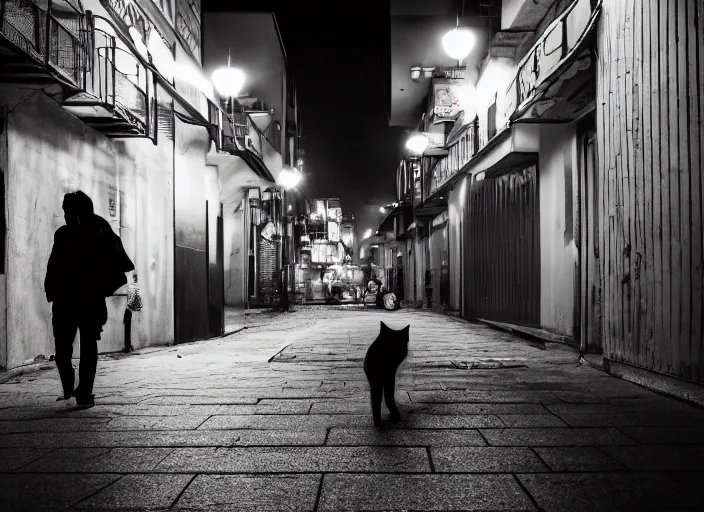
(277, 417)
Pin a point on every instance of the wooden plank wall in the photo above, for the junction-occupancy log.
(650, 108)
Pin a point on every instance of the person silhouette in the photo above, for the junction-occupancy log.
(87, 264)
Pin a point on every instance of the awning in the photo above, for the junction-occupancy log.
(562, 90)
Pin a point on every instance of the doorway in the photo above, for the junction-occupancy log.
(590, 273)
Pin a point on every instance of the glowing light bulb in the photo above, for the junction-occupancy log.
(458, 42)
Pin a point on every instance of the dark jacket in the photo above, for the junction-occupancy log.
(86, 262)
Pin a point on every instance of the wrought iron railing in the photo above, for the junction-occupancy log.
(125, 89)
(549, 52)
(458, 156)
(57, 39)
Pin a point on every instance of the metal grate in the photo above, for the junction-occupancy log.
(165, 116)
(268, 256)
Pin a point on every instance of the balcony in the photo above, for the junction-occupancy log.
(555, 80)
(42, 44)
(459, 155)
(119, 96)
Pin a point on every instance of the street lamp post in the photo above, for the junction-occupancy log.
(289, 177)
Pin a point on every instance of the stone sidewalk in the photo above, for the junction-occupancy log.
(276, 417)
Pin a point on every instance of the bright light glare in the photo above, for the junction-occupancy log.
(458, 42)
(228, 81)
(289, 177)
(417, 144)
(382, 209)
(137, 40)
(367, 233)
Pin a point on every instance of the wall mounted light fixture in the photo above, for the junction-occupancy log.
(415, 72)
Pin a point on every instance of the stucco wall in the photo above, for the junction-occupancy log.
(457, 203)
(50, 152)
(558, 253)
(3, 287)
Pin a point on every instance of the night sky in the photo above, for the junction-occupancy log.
(339, 56)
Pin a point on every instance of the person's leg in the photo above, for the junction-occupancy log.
(65, 326)
(93, 318)
(89, 361)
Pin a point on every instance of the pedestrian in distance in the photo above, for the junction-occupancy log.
(87, 264)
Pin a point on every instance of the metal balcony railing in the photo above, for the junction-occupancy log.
(550, 51)
(51, 33)
(459, 155)
(121, 81)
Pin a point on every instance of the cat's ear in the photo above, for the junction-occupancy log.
(384, 326)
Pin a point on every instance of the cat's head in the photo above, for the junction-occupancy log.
(399, 336)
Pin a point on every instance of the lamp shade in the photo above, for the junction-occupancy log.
(228, 81)
(458, 42)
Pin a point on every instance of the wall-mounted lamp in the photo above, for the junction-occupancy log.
(428, 72)
(415, 72)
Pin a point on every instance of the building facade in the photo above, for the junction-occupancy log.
(560, 185)
(258, 213)
(110, 97)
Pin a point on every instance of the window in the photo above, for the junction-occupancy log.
(491, 120)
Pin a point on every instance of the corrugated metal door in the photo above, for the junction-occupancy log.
(503, 250)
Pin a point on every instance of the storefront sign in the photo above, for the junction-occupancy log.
(446, 100)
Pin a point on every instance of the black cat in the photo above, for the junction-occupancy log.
(383, 357)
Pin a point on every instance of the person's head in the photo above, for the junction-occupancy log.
(70, 209)
(78, 208)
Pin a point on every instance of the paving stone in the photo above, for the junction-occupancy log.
(267, 406)
(485, 459)
(184, 422)
(629, 420)
(447, 421)
(164, 438)
(666, 435)
(289, 421)
(662, 458)
(38, 492)
(98, 460)
(479, 408)
(532, 420)
(14, 458)
(623, 407)
(187, 400)
(399, 437)
(250, 493)
(592, 492)
(53, 425)
(422, 492)
(690, 479)
(296, 459)
(577, 459)
(556, 437)
(138, 492)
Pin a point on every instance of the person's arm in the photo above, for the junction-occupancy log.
(54, 266)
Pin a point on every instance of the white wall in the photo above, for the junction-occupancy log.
(457, 203)
(558, 252)
(50, 152)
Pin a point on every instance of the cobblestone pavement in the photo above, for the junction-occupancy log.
(490, 422)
